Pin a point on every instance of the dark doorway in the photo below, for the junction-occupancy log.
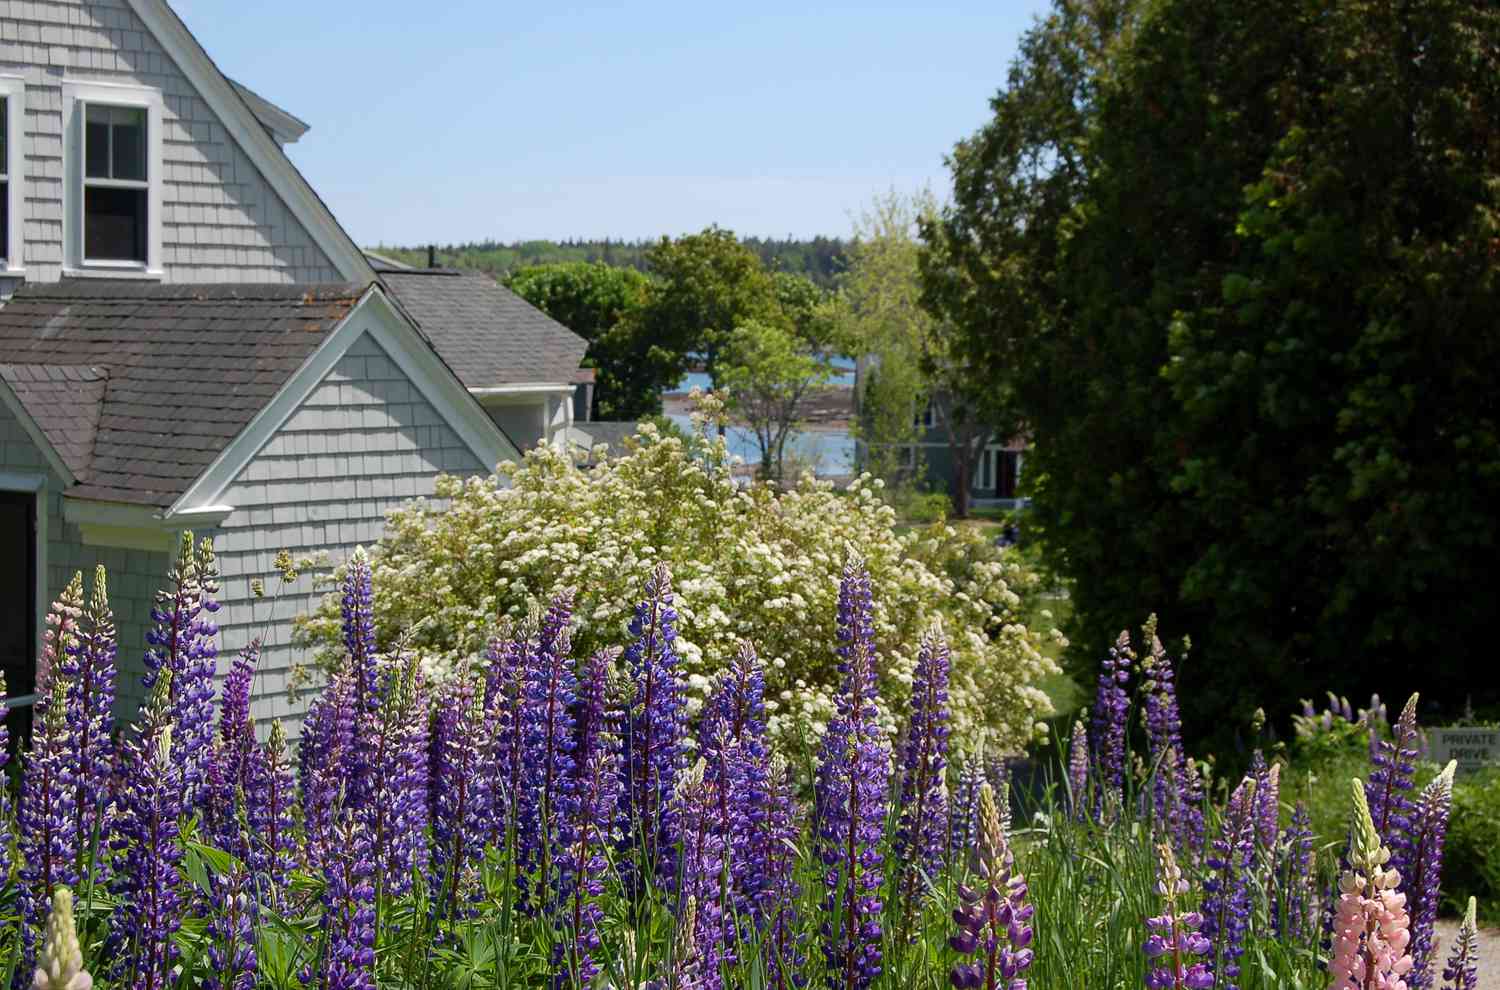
(18, 604)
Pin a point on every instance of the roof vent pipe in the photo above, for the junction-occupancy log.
(432, 256)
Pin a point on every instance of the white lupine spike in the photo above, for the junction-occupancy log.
(60, 965)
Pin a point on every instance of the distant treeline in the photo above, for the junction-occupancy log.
(820, 258)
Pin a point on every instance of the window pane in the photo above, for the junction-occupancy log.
(4, 133)
(114, 224)
(129, 143)
(4, 221)
(96, 143)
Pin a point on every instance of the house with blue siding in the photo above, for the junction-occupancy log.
(189, 340)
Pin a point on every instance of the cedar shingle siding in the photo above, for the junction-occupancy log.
(221, 221)
(363, 442)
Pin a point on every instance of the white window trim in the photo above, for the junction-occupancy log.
(76, 94)
(13, 92)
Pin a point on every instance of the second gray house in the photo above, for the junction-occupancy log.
(190, 340)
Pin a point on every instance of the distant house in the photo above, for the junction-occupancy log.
(190, 340)
(995, 477)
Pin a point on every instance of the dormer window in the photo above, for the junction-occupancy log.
(12, 174)
(114, 170)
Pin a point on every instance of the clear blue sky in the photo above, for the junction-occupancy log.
(458, 120)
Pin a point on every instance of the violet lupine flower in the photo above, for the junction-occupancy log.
(1267, 801)
(964, 819)
(506, 659)
(1175, 941)
(1370, 925)
(268, 801)
(1393, 764)
(1462, 971)
(393, 747)
(1292, 901)
(780, 830)
(1110, 721)
(853, 781)
(1078, 770)
(549, 695)
(90, 665)
(922, 830)
(460, 808)
(349, 908)
(1227, 893)
(327, 737)
(4, 791)
(46, 815)
(993, 921)
(182, 641)
(231, 926)
(145, 880)
(655, 734)
(1429, 829)
(358, 614)
(732, 739)
(235, 750)
(701, 852)
(583, 863)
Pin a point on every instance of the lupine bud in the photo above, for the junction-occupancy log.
(60, 965)
(1462, 971)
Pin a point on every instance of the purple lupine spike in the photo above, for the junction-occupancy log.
(853, 781)
(268, 800)
(327, 737)
(358, 614)
(655, 733)
(90, 664)
(702, 852)
(394, 747)
(1175, 941)
(234, 752)
(1462, 971)
(4, 791)
(182, 641)
(461, 806)
(506, 660)
(922, 830)
(1110, 721)
(583, 863)
(550, 694)
(231, 926)
(732, 739)
(1292, 899)
(964, 820)
(1078, 771)
(995, 920)
(782, 944)
(46, 815)
(1227, 893)
(146, 881)
(1169, 797)
(1429, 829)
(1390, 783)
(349, 907)
(47, 837)
(1267, 800)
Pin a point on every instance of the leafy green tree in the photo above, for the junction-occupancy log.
(770, 373)
(1231, 264)
(705, 285)
(592, 300)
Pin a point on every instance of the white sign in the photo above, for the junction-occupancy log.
(1472, 748)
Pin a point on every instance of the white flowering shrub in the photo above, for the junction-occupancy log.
(747, 564)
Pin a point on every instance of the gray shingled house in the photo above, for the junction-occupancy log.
(190, 340)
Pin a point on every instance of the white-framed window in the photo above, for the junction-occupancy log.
(12, 175)
(113, 178)
(927, 418)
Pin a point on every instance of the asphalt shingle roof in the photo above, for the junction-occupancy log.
(487, 334)
(180, 371)
(65, 402)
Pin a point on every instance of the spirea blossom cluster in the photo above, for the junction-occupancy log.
(747, 564)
